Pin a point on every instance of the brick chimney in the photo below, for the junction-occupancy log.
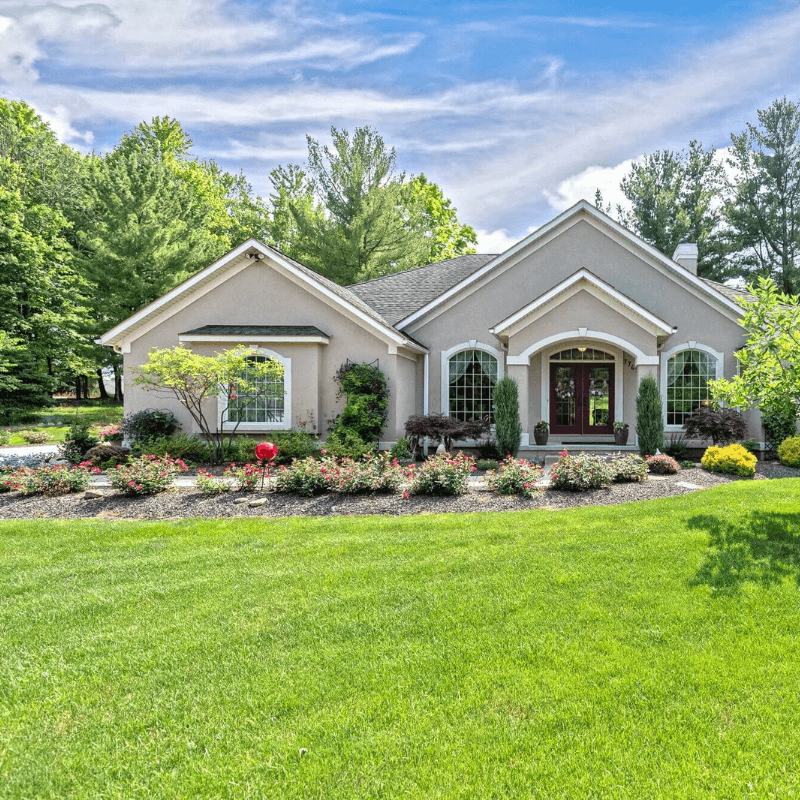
(686, 255)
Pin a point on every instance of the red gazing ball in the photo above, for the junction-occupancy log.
(266, 451)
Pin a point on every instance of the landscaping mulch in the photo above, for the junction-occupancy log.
(181, 503)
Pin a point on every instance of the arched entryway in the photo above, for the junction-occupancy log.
(581, 381)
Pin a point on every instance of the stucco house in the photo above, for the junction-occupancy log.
(577, 312)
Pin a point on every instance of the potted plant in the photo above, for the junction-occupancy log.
(620, 433)
(541, 431)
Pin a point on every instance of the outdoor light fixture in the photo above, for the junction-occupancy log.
(582, 349)
(253, 256)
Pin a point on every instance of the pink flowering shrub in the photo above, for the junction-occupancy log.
(580, 472)
(146, 475)
(208, 484)
(50, 481)
(109, 433)
(248, 477)
(375, 473)
(662, 465)
(515, 476)
(306, 476)
(442, 475)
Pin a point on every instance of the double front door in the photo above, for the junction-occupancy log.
(582, 398)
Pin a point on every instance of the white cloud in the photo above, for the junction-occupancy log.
(498, 241)
(584, 185)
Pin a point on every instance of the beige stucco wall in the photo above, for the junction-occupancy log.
(258, 295)
(581, 246)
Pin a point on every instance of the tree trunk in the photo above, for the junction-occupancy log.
(78, 388)
(118, 398)
(101, 386)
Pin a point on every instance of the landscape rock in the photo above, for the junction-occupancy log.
(262, 501)
(92, 494)
(106, 450)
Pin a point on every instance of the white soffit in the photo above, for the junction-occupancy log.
(586, 281)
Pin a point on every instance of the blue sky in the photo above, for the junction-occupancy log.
(517, 109)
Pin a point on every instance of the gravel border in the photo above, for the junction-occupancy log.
(181, 503)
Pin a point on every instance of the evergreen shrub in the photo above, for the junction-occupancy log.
(733, 460)
(508, 430)
(789, 451)
(649, 419)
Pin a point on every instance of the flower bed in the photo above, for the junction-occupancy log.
(515, 476)
(442, 475)
(580, 473)
(145, 475)
(49, 481)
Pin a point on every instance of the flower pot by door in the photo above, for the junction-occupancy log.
(621, 436)
(540, 436)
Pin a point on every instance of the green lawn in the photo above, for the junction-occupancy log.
(55, 420)
(648, 650)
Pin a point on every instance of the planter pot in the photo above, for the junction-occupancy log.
(621, 436)
(540, 436)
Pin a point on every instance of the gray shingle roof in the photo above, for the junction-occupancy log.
(729, 291)
(342, 291)
(255, 330)
(396, 296)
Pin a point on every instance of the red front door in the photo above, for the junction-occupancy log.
(582, 398)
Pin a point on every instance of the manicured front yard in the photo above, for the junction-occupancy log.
(55, 421)
(646, 650)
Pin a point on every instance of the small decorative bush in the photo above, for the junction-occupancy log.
(145, 475)
(721, 425)
(346, 443)
(110, 433)
(750, 444)
(733, 460)
(401, 449)
(78, 441)
(442, 475)
(676, 446)
(306, 477)
(380, 473)
(445, 429)
(208, 484)
(149, 424)
(789, 451)
(662, 464)
(628, 468)
(515, 476)
(51, 481)
(580, 473)
(187, 448)
(34, 437)
(6, 482)
(5, 437)
(248, 477)
(687, 465)
(486, 464)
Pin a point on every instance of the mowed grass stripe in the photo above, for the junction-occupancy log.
(647, 650)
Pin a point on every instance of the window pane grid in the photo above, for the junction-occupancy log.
(688, 373)
(255, 407)
(472, 377)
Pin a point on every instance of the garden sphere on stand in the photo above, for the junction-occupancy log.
(265, 452)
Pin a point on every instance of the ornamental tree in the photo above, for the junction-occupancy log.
(770, 369)
(198, 382)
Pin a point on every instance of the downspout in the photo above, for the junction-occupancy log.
(425, 389)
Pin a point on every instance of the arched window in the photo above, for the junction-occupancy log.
(265, 405)
(471, 380)
(688, 373)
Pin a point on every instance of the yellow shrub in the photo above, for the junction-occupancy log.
(733, 459)
(789, 451)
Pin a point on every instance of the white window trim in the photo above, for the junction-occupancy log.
(473, 344)
(249, 427)
(665, 357)
(619, 363)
